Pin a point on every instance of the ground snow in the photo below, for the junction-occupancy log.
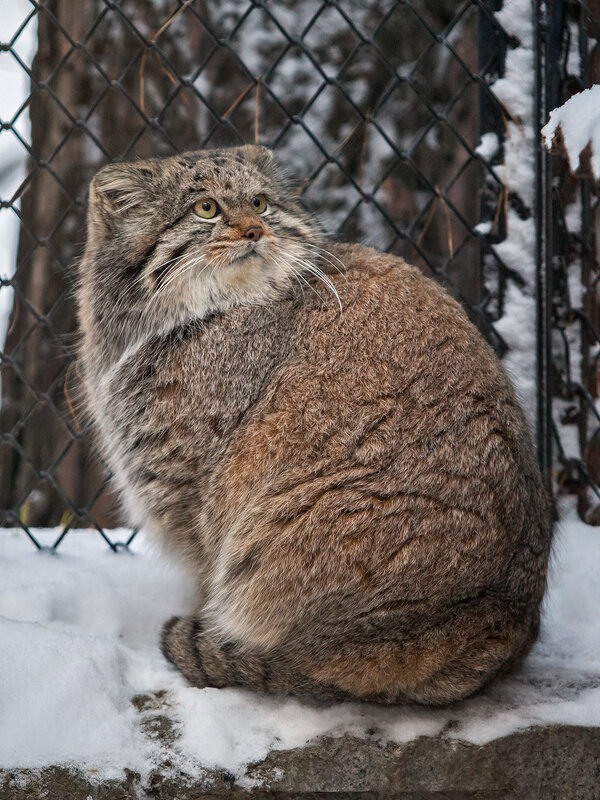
(579, 123)
(80, 638)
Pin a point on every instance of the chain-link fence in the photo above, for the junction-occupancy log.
(571, 229)
(391, 111)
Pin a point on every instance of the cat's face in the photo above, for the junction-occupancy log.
(194, 234)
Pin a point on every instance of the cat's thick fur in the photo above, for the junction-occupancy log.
(355, 493)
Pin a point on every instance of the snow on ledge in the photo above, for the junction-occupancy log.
(574, 127)
(80, 629)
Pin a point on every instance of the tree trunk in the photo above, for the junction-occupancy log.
(43, 462)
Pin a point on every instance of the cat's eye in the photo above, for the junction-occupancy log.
(259, 203)
(206, 209)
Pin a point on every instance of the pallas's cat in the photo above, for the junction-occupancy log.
(319, 432)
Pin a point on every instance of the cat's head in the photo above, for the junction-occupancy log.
(193, 234)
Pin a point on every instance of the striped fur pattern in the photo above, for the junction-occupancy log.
(354, 492)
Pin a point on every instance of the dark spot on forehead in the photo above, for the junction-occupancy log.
(188, 163)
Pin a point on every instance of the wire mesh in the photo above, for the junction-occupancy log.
(573, 235)
(379, 105)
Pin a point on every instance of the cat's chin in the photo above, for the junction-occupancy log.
(245, 258)
(252, 255)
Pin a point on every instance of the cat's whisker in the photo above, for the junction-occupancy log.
(175, 260)
(303, 279)
(322, 252)
(183, 268)
(180, 264)
(297, 276)
(317, 272)
(216, 266)
(329, 253)
(297, 279)
(187, 268)
(325, 255)
(178, 274)
(341, 271)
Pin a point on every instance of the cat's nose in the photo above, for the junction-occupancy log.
(254, 233)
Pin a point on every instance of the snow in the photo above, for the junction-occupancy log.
(516, 91)
(579, 122)
(488, 146)
(80, 635)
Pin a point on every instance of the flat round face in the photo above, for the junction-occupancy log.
(200, 232)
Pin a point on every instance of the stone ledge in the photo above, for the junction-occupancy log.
(544, 763)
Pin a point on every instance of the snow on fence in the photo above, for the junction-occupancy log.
(569, 250)
(574, 130)
(415, 128)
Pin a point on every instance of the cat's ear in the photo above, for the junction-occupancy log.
(268, 165)
(120, 191)
(259, 155)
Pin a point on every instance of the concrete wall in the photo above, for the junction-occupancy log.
(545, 763)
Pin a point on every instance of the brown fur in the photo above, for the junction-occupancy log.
(355, 493)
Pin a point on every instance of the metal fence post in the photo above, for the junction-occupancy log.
(544, 20)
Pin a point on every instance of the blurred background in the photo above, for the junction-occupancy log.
(386, 110)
